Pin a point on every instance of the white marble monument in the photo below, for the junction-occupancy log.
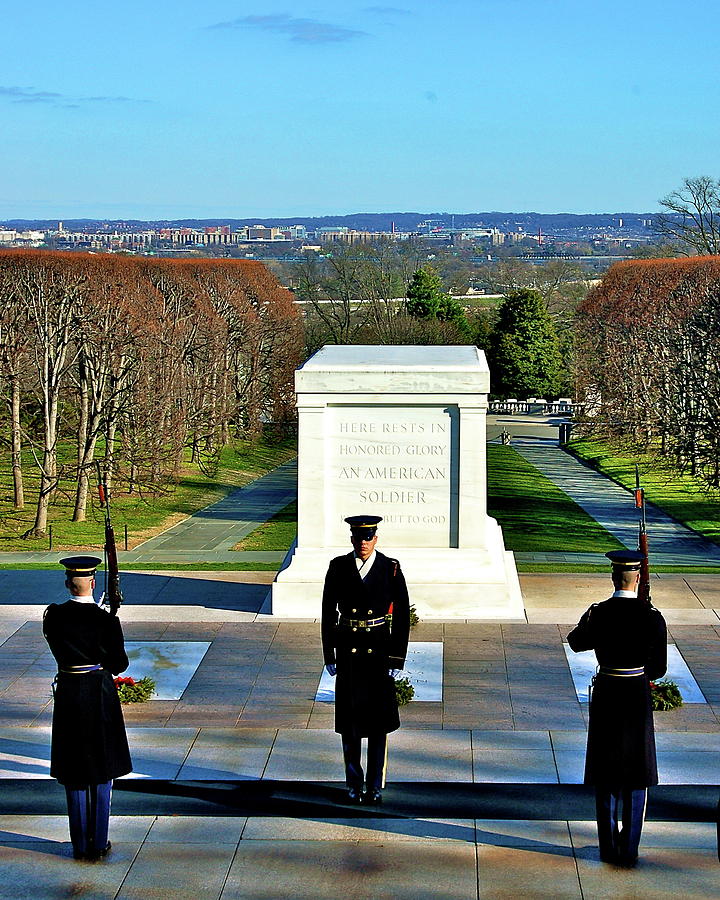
(399, 432)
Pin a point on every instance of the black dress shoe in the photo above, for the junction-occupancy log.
(95, 855)
(373, 796)
(101, 854)
(354, 795)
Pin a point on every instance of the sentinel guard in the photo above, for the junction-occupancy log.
(365, 628)
(89, 744)
(629, 637)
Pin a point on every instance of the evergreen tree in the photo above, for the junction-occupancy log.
(425, 294)
(524, 356)
(426, 299)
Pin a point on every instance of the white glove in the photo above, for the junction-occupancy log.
(331, 669)
(395, 672)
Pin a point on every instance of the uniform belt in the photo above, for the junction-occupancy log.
(622, 673)
(362, 623)
(80, 670)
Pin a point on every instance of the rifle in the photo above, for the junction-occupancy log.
(644, 585)
(112, 595)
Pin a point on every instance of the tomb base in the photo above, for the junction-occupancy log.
(443, 583)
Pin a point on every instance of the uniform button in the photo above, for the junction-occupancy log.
(369, 612)
(354, 629)
(369, 649)
(367, 629)
(354, 650)
(354, 610)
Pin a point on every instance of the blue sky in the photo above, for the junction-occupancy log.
(172, 108)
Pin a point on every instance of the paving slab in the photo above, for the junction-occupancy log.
(226, 753)
(660, 875)
(688, 767)
(429, 756)
(367, 829)
(660, 835)
(306, 755)
(30, 871)
(25, 752)
(537, 834)
(312, 870)
(515, 767)
(195, 830)
(181, 870)
(41, 829)
(159, 752)
(510, 740)
(544, 870)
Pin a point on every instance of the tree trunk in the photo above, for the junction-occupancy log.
(18, 492)
(81, 494)
(110, 450)
(84, 393)
(48, 476)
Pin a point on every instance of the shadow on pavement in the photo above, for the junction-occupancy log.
(41, 587)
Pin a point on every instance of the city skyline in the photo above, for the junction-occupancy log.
(234, 110)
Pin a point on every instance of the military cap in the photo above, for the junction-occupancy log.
(363, 526)
(628, 560)
(80, 566)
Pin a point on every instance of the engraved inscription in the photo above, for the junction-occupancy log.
(391, 462)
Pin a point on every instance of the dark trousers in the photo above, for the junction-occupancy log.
(89, 815)
(614, 807)
(376, 756)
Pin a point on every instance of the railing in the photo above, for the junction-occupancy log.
(564, 406)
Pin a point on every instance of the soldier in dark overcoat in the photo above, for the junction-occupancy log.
(365, 628)
(629, 637)
(89, 743)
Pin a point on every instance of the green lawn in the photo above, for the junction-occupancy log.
(534, 514)
(144, 514)
(681, 496)
(275, 534)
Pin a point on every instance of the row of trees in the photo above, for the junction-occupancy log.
(648, 359)
(138, 359)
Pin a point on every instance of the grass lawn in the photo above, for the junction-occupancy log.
(681, 496)
(534, 514)
(145, 515)
(275, 534)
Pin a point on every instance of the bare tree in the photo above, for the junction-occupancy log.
(692, 217)
(14, 345)
(51, 287)
(104, 359)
